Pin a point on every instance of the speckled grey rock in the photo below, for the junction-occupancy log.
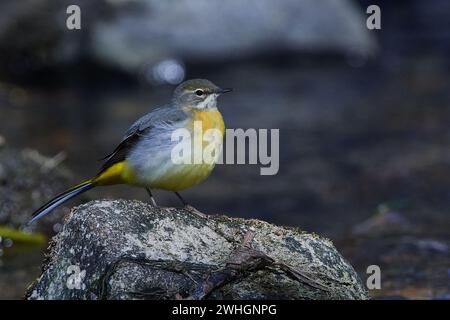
(117, 249)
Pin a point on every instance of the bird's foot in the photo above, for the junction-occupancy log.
(152, 199)
(193, 210)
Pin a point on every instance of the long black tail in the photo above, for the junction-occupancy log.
(61, 198)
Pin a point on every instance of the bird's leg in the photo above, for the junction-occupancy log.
(151, 197)
(184, 202)
(190, 208)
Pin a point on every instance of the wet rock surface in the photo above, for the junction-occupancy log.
(27, 180)
(130, 250)
(413, 261)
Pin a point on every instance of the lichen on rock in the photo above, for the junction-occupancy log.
(117, 249)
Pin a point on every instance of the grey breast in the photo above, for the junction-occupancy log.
(153, 148)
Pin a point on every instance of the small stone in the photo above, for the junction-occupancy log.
(385, 221)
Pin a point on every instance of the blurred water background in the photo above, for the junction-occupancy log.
(363, 117)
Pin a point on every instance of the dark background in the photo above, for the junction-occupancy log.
(363, 115)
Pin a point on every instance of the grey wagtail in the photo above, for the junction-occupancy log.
(143, 158)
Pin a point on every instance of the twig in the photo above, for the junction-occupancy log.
(168, 265)
(242, 261)
(300, 276)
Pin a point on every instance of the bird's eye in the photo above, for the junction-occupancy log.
(199, 92)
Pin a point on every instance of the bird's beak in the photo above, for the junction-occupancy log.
(220, 91)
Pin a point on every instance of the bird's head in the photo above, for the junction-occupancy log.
(198, 94)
